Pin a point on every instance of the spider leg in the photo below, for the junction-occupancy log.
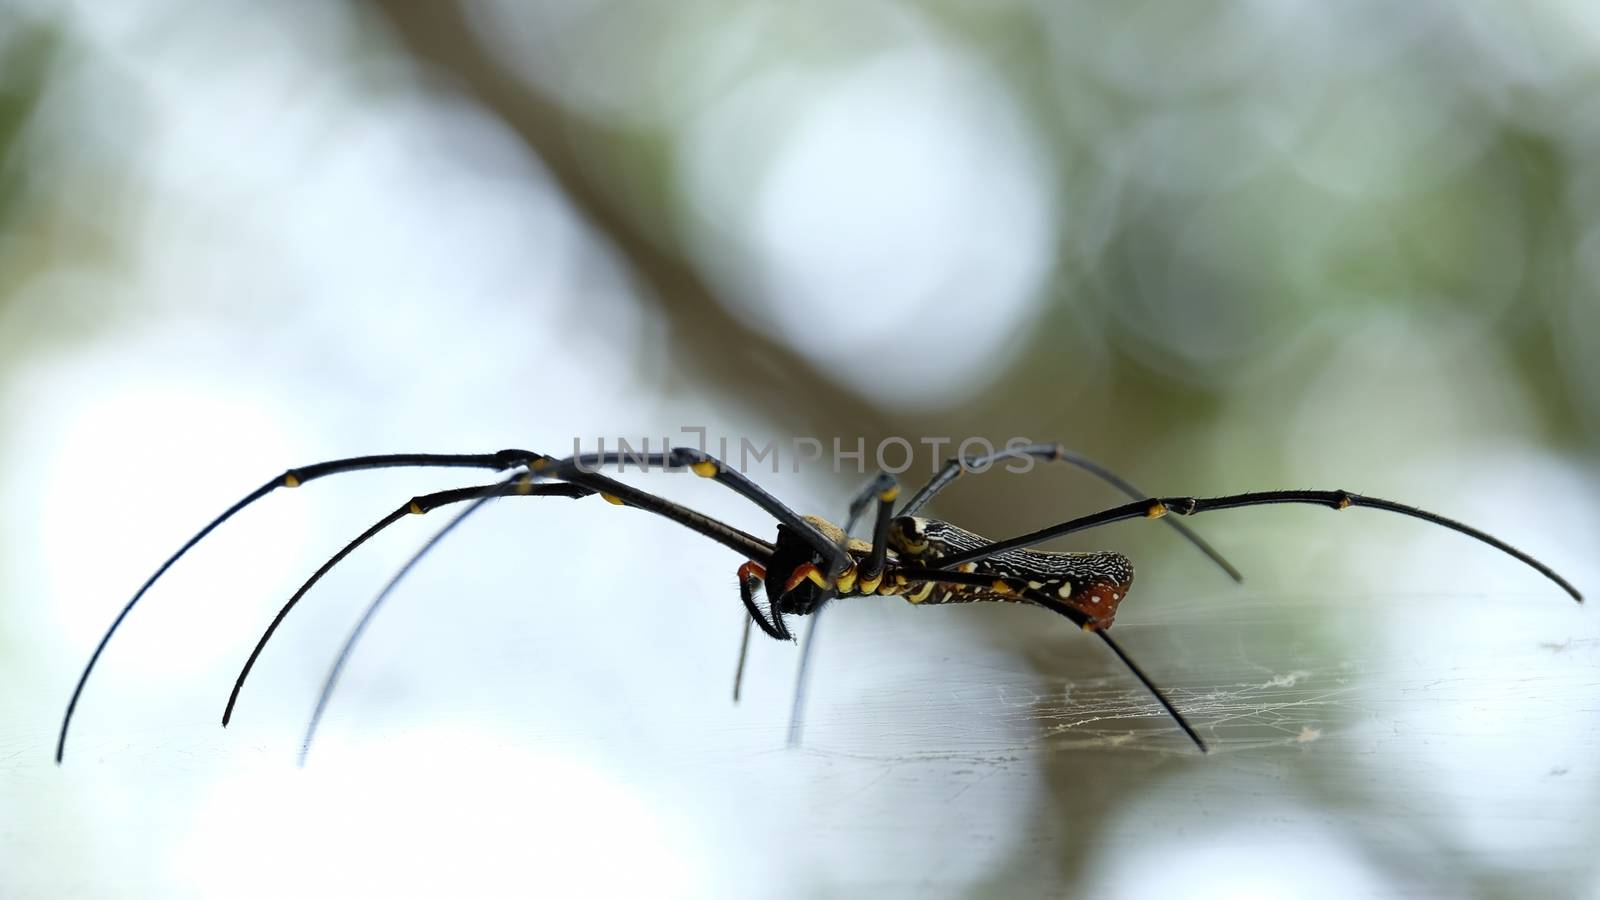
(744, 651)
(521, 487)
(581, 468)
(884, 489)
(1149, 685)
(797, 708)
(1020, 588)
(574, 468)
(750, 577)
(345, 652)
(614, 491)
(1155, 508)
(955, 467)
(505, 459)
(743, 543)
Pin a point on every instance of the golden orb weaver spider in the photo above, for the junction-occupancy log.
(925, 560)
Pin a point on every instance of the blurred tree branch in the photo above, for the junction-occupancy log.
(28, 51)
(703, 333)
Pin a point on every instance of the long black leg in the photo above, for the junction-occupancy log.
(1020, 588)
(579, 469)
(883, 489)
(955, 467)
(706, 466)
(371, 611)
(1161, 697)
(802, 676)
(522, 487)
(1155, 508)
(742, 542)
(753, 548)
(505, 459)
(744, 651)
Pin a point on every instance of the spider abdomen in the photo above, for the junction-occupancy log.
(1093, 583)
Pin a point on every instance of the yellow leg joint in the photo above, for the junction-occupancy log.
(889, 495)
(612, 499)
(816, 577)
(416, 508)
(1155, 510)
(290, 479)
(705, 468)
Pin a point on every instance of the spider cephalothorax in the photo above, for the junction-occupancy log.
(800, 579)
(796, 582)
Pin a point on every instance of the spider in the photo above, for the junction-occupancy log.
(813, 561)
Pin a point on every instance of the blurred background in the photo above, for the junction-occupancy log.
(1218, 246)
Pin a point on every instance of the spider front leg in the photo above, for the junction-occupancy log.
(751, 576)
(521, 486)
(583, 469)
(614, 492)
(505, 459)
